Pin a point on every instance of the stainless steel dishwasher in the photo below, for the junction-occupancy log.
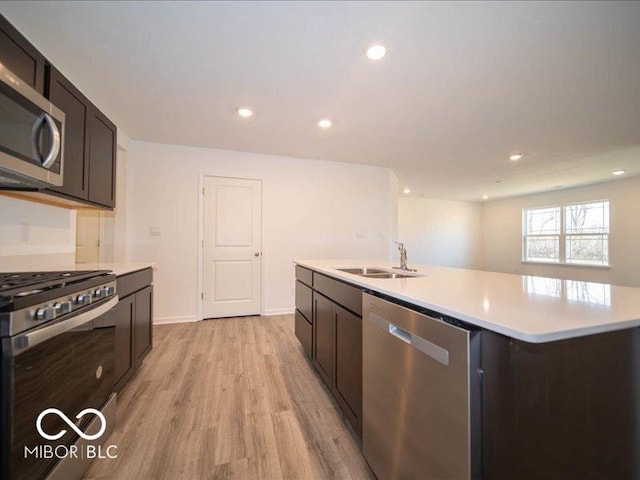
(421, 394)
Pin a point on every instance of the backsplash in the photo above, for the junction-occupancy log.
(30, 228)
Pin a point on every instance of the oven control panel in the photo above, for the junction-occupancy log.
(65, 305)
(35, 315)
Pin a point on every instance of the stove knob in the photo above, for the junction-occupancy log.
(47, 313)
(100, 293)
(111, 290)
(62, 308)
(84, 299)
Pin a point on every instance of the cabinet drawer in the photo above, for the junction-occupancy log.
(304, 275)
(304, 300)
(304, 332)
(132, 282)
(346, 295)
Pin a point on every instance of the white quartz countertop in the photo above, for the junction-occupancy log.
(528, 308)
(117, 268)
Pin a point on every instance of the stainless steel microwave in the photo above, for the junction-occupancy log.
(31, 136)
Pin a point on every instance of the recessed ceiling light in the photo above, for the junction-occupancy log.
(515, 157)
(244, 112)
(376, 52)
(407, 190)
(485, 197)
(324, 123)
(618, 172)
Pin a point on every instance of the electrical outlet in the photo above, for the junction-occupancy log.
(24, 232)
(155, 230)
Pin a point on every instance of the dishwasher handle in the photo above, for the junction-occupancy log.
(421, 344)
(398, 332)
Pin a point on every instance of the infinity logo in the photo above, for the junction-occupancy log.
(58, 435)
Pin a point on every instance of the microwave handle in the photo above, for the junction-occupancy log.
(46, 120)
(55, 146)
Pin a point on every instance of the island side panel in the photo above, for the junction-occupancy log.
(558, 410)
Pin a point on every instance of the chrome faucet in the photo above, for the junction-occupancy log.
(403, 259)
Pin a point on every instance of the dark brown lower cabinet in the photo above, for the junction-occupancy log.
(142, 325)
(337, 355)
(328, 323)
(134, 324)
(324, 337)
(304, 332)
(123, 360)
(563, 409)
(348, 371)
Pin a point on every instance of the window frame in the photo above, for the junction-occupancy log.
(562, 236)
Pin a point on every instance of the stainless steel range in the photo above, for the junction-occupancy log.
(57, 361)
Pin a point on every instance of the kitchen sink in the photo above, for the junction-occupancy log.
(362, 271)
(389, 275)
(369, 272)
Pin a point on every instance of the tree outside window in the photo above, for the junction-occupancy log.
(574, 234)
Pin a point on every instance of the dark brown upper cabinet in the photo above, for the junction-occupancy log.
(89, 145)
(90, 138)
(76, 108)
(102, 159)
(19, 56)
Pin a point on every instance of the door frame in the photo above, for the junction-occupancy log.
(200, 245)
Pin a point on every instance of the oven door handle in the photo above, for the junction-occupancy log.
(29, 340)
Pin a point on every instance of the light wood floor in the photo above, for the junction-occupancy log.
(230, 398)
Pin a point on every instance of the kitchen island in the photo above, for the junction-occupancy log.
(557, 382)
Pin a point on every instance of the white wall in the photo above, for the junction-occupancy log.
(394, 192)
(33, 229)
(502, 233)
(311, 209)
(441, 232)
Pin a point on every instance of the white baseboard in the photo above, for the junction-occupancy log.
(164, 320)
(278, 311)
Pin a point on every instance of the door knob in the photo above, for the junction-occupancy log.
(257, 254)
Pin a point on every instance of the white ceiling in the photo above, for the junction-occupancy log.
(462, 86)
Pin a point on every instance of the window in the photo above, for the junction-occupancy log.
(576, 234)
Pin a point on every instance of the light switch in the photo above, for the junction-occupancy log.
(155, 230)
(361, 234)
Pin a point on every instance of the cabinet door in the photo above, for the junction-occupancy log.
(19, 56)
(123, 361)
(324, 328)
(142, 325)
(348, 381)
(67, 98)
(102, 159)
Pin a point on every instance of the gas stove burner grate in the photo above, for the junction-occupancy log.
(20, 284)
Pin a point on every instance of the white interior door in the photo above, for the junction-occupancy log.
(232, 247)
